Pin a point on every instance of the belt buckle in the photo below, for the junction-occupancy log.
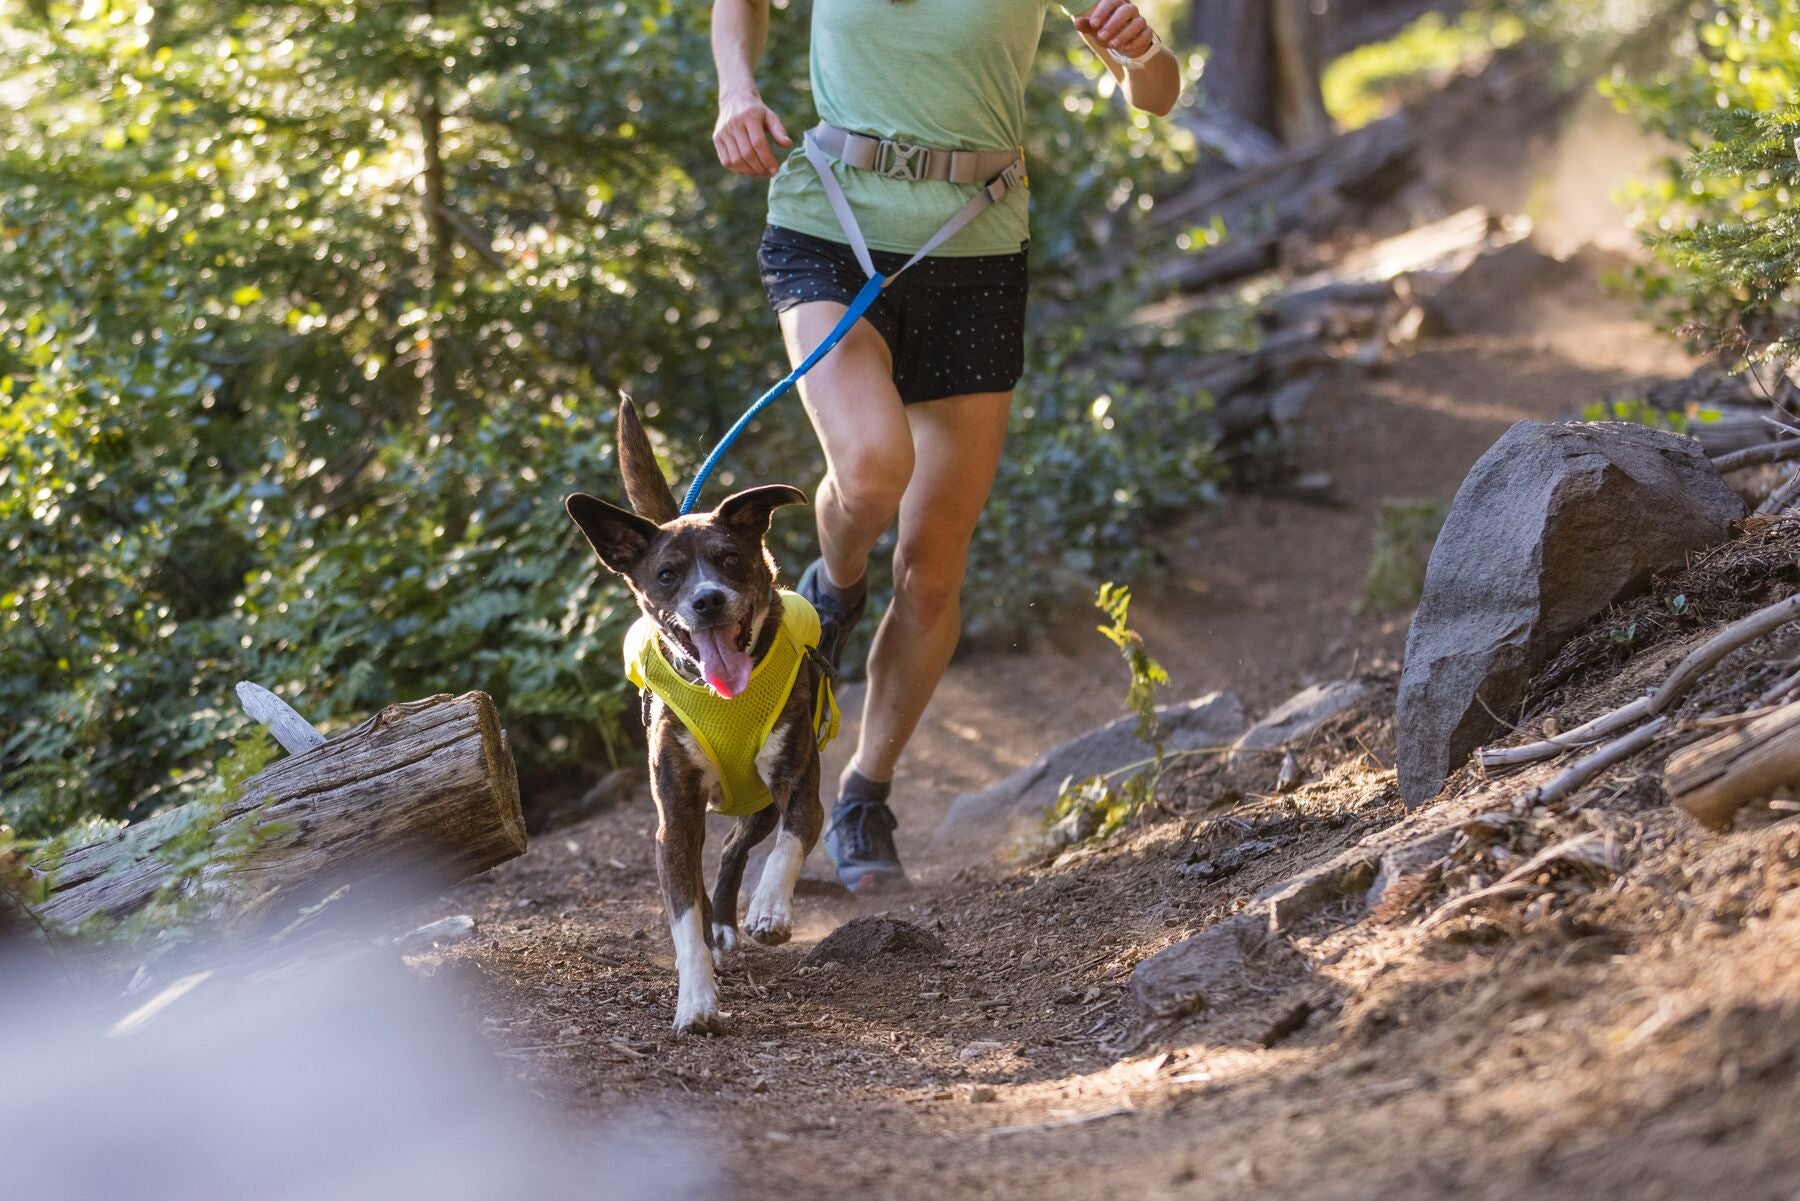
(899, 160)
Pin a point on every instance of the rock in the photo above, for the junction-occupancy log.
(865, 938)
(1023, 797)
(1292, 901)
(1483, 298)
(1552, 525)
(1229, 860)
(441, 933)
(1299, 717)
(1403, 864)
(1176, 980)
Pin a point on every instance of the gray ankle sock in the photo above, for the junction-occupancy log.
(856, 787)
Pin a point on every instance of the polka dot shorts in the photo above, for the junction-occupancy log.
(954, 325)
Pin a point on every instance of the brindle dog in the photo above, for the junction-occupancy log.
(708, 582)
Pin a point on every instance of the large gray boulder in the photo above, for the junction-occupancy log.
(1552, 525)
(1213, 720)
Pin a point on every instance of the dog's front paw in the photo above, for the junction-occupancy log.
(771, 926)
(724, 942)
(698, 1014)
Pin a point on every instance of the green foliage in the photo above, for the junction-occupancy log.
(1099, 805)
(186, 838)
(1721, 220)
(1373, 80)
(1405, 531)
(311, 313)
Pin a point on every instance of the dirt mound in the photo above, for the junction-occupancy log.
(866, 939)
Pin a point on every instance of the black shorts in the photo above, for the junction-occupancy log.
(953, 325)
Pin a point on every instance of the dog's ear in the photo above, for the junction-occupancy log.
(645, 486)
(618, 537)
(749, 510)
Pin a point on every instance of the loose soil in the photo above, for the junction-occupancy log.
(1621, 1037)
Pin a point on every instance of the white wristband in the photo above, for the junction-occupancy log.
(1142, 60)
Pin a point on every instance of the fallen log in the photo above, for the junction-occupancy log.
(419, 795)
(1304, 191)
(1713, 779)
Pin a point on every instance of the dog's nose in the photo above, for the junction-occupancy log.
(708, 604)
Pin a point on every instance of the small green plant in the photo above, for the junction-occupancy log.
(1099, 805)
(1405, 531)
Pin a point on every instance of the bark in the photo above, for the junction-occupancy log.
(1712, 780)
(418, 796)
(1264, 64)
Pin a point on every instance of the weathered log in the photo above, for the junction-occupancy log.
(419, 795)
(1360, 164)
(1713, 779)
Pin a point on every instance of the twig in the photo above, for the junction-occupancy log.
(1780, 690)
(1517, 882)
(1589, 766)
(1756, 456)
(1782, 497)
(1701, 660)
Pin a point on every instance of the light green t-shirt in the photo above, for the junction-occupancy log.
(944, 73)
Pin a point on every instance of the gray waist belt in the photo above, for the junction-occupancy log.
(902, 160)
(996, 172)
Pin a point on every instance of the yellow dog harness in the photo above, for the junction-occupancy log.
(732, 732)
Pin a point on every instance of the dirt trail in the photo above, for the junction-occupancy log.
(1380, 1063)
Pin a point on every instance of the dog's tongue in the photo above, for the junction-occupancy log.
(725, 667)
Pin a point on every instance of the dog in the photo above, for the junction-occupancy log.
(705, 584)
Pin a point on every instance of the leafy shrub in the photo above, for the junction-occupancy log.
(1721, 218)
(311, 314)
(1405, 531)
(1371, 81)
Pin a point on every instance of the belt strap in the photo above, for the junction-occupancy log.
(993, 190)
(904, 160)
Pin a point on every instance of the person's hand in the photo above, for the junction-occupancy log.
(742, 135)
(1117, 25)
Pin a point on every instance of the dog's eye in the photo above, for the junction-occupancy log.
(731, 560)
(666, 576)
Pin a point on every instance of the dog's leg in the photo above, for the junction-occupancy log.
(680, 840)
(770, 920)
(748, 832)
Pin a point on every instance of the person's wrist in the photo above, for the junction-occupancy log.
(1137, 62)
(737, 98)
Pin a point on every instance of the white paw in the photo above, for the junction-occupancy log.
(724, 940)
(697, 1011)
(770, 924)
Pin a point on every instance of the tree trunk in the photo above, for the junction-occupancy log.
(1263, 65)
(1712, 780)
(418, 796)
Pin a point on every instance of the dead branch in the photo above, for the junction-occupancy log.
(1686, 674)
(1589, 766)
(1757, 456)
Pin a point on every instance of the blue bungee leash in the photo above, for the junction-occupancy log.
(988, 194)
(851, 316)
